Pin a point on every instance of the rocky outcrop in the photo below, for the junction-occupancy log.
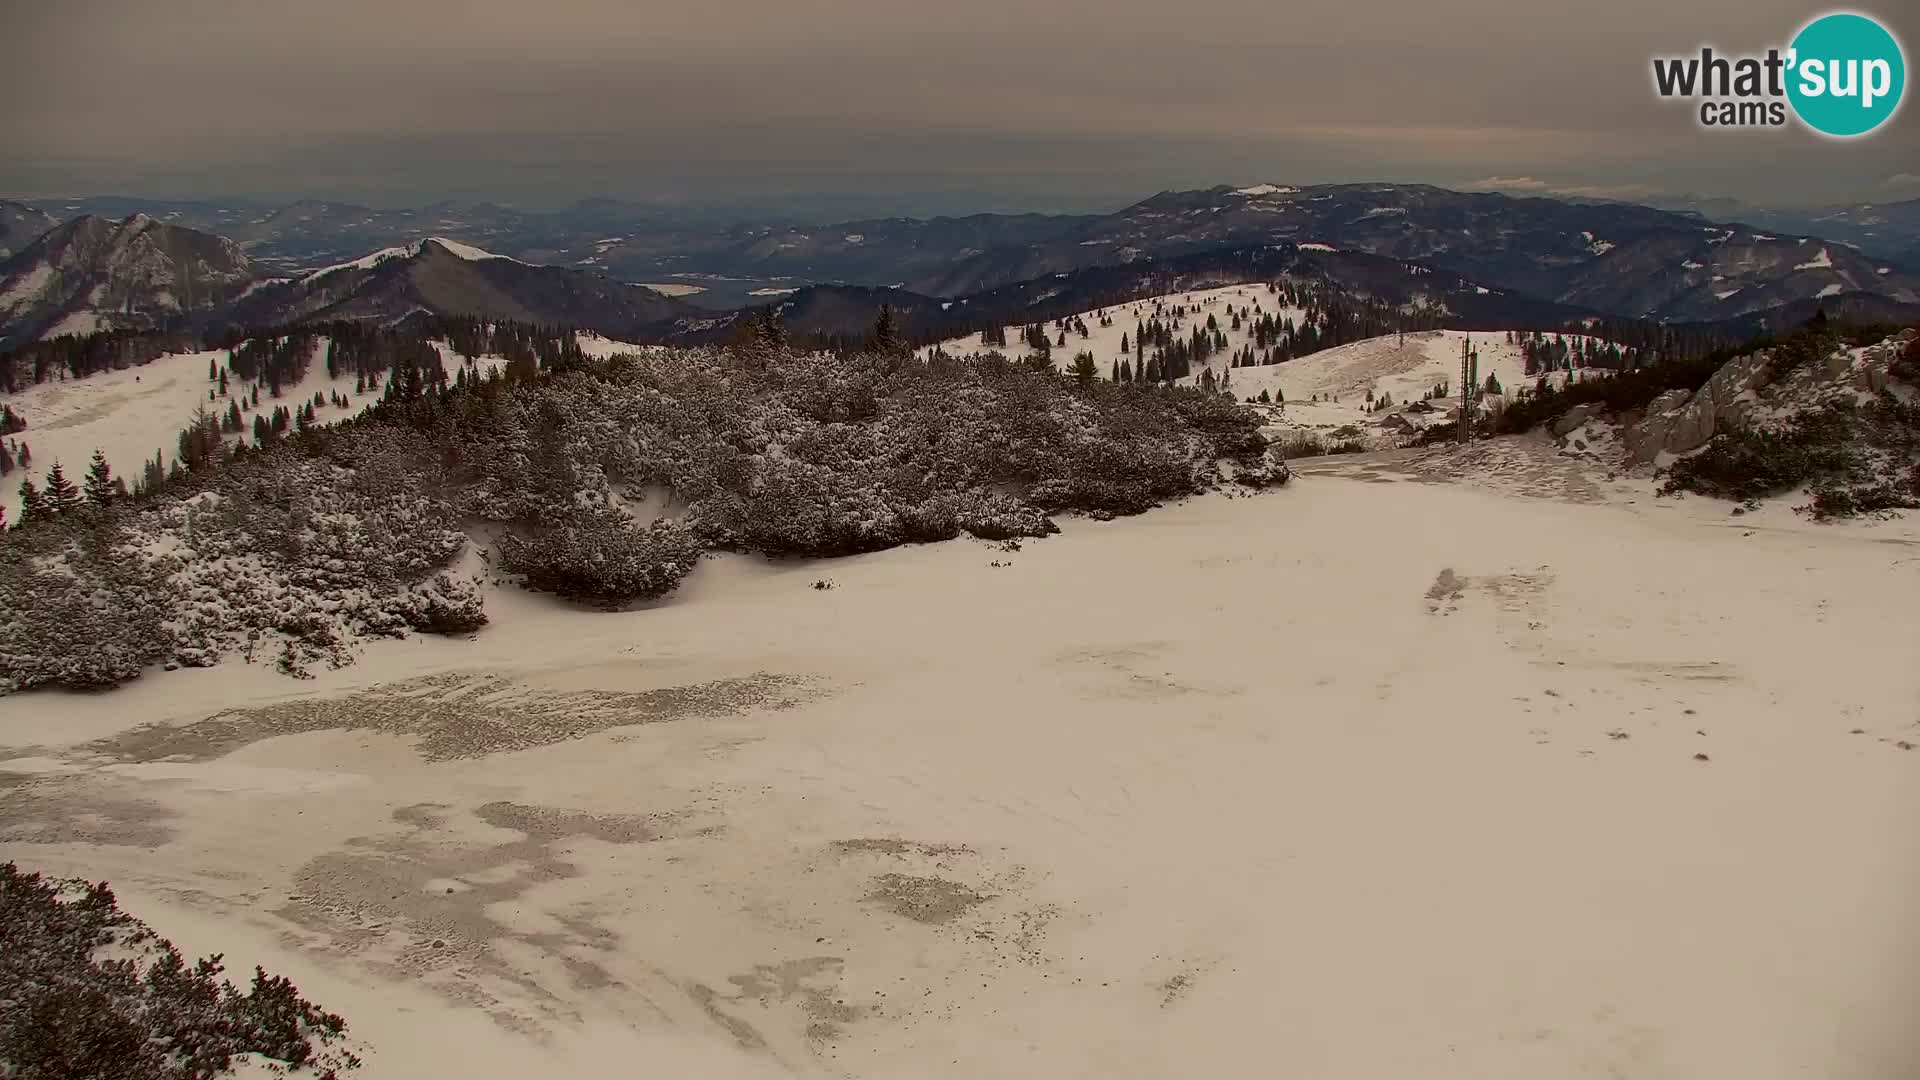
(1746, 390)
(1678, 421)
(1574, 417)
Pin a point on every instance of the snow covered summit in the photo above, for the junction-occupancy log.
(407, 251)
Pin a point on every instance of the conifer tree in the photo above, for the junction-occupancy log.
(773, 332)
(886, 331)
(100, 488)
(33, 505)
(153, 473)
(61, 496)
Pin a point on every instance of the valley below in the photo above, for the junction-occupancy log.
(1478, 763)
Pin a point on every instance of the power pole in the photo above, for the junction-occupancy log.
(1466, 386)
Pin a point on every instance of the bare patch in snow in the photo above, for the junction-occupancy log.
(457, 715)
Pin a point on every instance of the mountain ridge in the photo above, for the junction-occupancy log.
(444, 277)
(21, 224)
(92, 273)
(1626, 259)
(1498, 256)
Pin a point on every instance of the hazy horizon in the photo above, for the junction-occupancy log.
(830, 207)
(861, 108)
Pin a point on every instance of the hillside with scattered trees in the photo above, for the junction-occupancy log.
(287, 549)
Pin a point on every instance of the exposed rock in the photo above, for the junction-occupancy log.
(1745, 390)
(1574, 418)
(1648, 438)
(1725, 398)
(1866, 369)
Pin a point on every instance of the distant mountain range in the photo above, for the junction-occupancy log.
(92, 274)
(721, 263)
(580, 266)
(1888, 230)
(1625, 260)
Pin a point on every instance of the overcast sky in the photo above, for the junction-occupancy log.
(892, 106)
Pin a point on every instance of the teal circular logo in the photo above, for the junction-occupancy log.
(1847, 75)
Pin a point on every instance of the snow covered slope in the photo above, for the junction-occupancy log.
(1402, 368)
(1328, 390)
(1104, 341)
(130, 414)
(600, 346)
(1405, 369)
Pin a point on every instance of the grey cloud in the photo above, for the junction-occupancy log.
(987, 100)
